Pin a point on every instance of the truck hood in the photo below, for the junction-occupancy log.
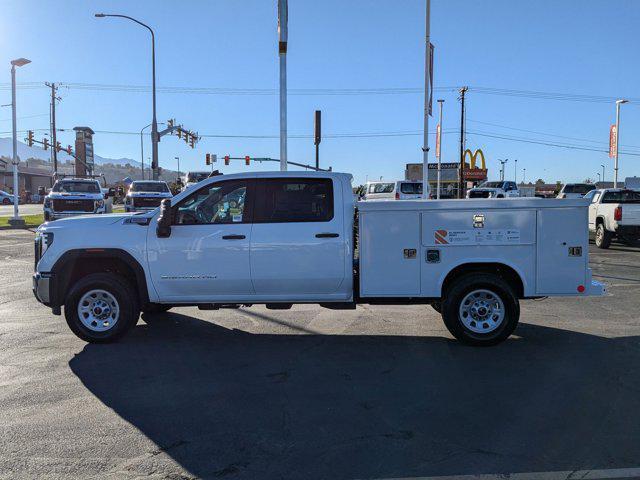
(150, 194)
(76, 196)
(86, 222)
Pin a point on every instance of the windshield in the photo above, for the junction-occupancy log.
(381, 188)
(195, 177)
(621, 196)
(159, 187)
(491, 185)
(581, 188)
(76, 186)
(411, 188)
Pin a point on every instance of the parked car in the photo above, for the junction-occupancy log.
(279, 238)
(7, 198)
(72, 196)
(614, 213)
(500, 189)
(145, 195)
(400, 190)
(575, 190)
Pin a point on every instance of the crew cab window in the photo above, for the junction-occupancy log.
(293, 200)
(217, 203)
(157, 187)
(621, 196)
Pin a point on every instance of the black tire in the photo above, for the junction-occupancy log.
(6, 201)
(151, 308)
(464, 286)
(437, 306)
(115, 285)
(603, 237)
(500, 196)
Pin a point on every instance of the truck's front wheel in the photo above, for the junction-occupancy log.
(480, 309)
(603, 237)
(101, 307)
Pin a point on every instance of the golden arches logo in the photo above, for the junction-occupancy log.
(472, 159)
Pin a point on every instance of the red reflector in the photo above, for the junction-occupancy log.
(580, 288)
(397, 196)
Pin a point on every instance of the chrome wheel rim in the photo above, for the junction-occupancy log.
(98, 310)
(599, 235)
(481, 311)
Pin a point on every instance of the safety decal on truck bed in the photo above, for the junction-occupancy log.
(476, 237)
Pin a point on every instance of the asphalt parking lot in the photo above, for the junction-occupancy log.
(379, 392)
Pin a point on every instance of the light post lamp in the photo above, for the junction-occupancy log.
(598, 177)
(154, 124)
(515, 171)
(524, 175)
(16, 221)
(502, 164)
(615, 164)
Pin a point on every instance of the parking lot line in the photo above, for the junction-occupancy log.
(613, 473)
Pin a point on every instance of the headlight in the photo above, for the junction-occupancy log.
(99, 203)
(127, 200)
(46, 240)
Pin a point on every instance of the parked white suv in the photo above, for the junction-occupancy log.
(400, 190)
(575, 190)
(614, 213)
(279, 238)
(501, 189)
(76, 196)
(145, 195)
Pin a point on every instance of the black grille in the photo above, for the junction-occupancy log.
(64, 205)
(479, 194)
(37, 252)
(147, 202)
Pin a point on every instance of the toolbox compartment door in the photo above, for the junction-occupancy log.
(559, 270)
(389, 253)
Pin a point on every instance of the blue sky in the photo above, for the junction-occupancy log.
(578, 47)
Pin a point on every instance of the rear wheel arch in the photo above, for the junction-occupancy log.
(504, 271)
(76, 264)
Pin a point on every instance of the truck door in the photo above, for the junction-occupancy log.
(298, 247)
(206, 257)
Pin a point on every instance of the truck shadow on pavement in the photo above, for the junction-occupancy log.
(227, 403)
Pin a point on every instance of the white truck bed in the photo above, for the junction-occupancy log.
(409, 248)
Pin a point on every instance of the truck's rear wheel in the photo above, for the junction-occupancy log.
(480, 309)
(603, 237)
(101, 307)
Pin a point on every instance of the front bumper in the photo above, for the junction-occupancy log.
(42, 283)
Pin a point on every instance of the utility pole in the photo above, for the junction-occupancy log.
(615, 165)
(439, 149)
(282, 52)
(54, 150)
(317, 137)
(463, 90)
(427, 81)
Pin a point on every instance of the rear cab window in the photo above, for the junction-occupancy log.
(280, 200)
(621, 196)
(580, 188)
(411, 188)
(381, 188)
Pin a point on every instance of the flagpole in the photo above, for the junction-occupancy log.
(427, 79)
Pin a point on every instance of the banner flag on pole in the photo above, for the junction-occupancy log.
(613, 142)
(438, 133)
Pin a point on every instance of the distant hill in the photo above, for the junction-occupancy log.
(114, 169)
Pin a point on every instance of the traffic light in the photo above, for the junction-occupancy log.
(30, 138)
(170, 123)
(45, 143)
(69, 149)
(208, 159)
(247, 160)
(192, 141)
(58, 146)
(179, 133)
(226, 159)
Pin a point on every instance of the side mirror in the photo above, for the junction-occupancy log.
(163, 230)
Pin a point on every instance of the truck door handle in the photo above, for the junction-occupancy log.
(327, 235)
(233, 237)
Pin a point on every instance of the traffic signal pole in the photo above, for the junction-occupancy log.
(53, 88)
(463, 90)
(282, 52)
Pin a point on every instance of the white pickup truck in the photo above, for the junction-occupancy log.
(614, 213)
(280, 238)
(501, 189)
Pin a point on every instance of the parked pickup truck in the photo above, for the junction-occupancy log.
(501, 189)
(71, 196)
(280, 238)
(145, 195)
(614, 213)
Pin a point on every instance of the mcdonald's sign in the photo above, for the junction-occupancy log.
(473, 172)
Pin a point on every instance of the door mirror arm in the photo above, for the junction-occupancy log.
(163, 229)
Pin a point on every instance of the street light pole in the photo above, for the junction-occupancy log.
(502, 164)
(615, 164)
(178, 159)
(283, 14)
(427, 79)
(602, 173)
(154, 123)
(515, 171)
(439, 150)
(16, 221)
